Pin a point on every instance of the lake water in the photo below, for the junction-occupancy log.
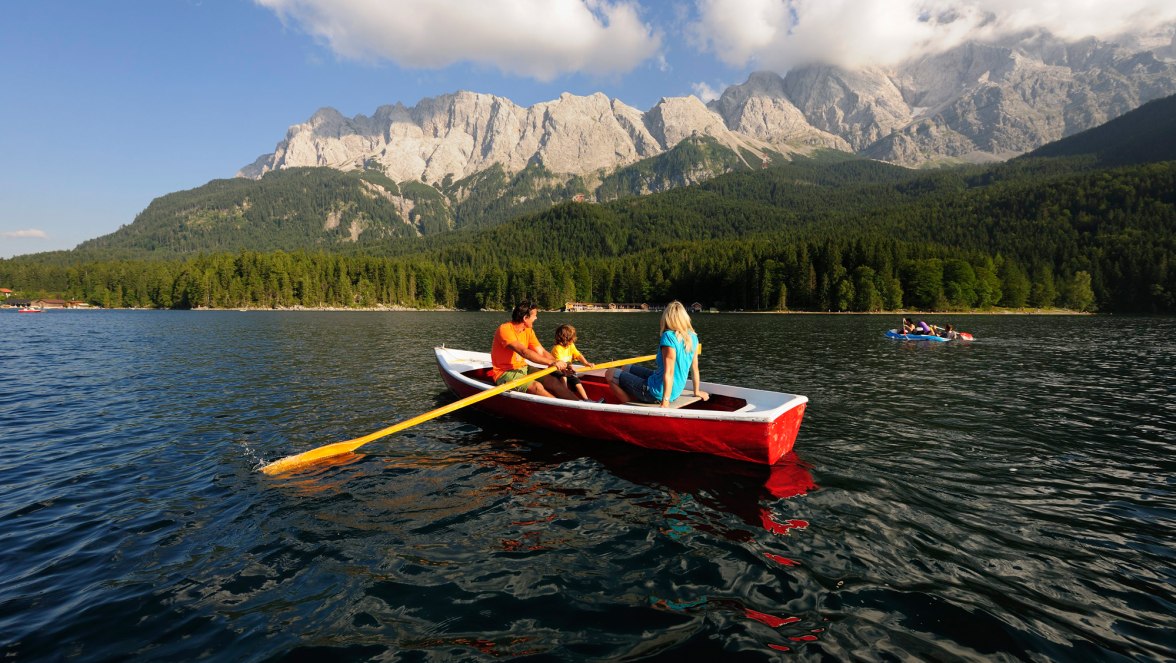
(1012, 498)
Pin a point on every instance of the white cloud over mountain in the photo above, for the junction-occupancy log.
(780, 34)
(31, 233)
(544, 39)
(705, 92)
(541, 39)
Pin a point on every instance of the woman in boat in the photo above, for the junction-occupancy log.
(677, 357)
(907, 327)
(949, 332)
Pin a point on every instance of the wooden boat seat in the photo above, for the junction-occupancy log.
(681, 401)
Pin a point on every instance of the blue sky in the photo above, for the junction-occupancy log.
(105, 106)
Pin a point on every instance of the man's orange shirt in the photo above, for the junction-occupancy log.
(504, 359)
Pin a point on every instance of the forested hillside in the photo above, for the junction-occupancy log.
(313, 209)
(1146, 134)
(324, 209)
(809, 235)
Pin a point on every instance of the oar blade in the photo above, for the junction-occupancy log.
(306, 458)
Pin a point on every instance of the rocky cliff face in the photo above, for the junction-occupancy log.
(978, 102)
(465, 133)
(983, 102)
(762, 108)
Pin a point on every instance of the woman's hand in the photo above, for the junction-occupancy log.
(702, 394)
(664, 403)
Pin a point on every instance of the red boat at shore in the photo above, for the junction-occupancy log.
(735, 422)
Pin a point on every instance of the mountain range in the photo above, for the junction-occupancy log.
(471, 160)
(975, 103)
(1086, 222)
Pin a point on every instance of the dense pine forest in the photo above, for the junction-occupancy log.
(808, 235)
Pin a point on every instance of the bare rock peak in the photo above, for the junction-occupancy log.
(979, 101)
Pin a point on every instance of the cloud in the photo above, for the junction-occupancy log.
(24, 234)
(705, 92)
(780, 34)
(541, 39)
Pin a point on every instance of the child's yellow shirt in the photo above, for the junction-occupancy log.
(565, 352)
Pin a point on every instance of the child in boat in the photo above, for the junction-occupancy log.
(565, 350)
(949, 332)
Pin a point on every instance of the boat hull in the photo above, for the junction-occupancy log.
(748, 438)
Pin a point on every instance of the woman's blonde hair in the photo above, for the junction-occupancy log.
(677, 320)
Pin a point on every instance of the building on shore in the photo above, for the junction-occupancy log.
(611, 306)
(696, 307)
(45, 303)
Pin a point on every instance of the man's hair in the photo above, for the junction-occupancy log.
(522, 310)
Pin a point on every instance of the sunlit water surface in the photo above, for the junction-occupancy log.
(1006, 499)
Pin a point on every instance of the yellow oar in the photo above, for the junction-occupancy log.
(296, 461)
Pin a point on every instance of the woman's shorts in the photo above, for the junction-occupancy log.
(634, 380)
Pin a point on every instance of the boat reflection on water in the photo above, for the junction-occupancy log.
(790, 477)
(472, 499)
(730, 482)
(744, 490)
(730, 485)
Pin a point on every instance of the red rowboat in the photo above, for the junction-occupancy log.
(736, 422)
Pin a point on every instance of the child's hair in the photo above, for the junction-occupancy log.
(565, 334)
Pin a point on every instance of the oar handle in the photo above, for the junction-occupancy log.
(614, 364)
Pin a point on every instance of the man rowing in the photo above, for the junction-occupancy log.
(515, 343)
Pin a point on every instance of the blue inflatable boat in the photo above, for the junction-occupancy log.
(890, 333)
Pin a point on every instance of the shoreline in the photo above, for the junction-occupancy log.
(1020, 311)
(406, 309)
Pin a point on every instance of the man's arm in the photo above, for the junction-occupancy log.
(539, 356)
